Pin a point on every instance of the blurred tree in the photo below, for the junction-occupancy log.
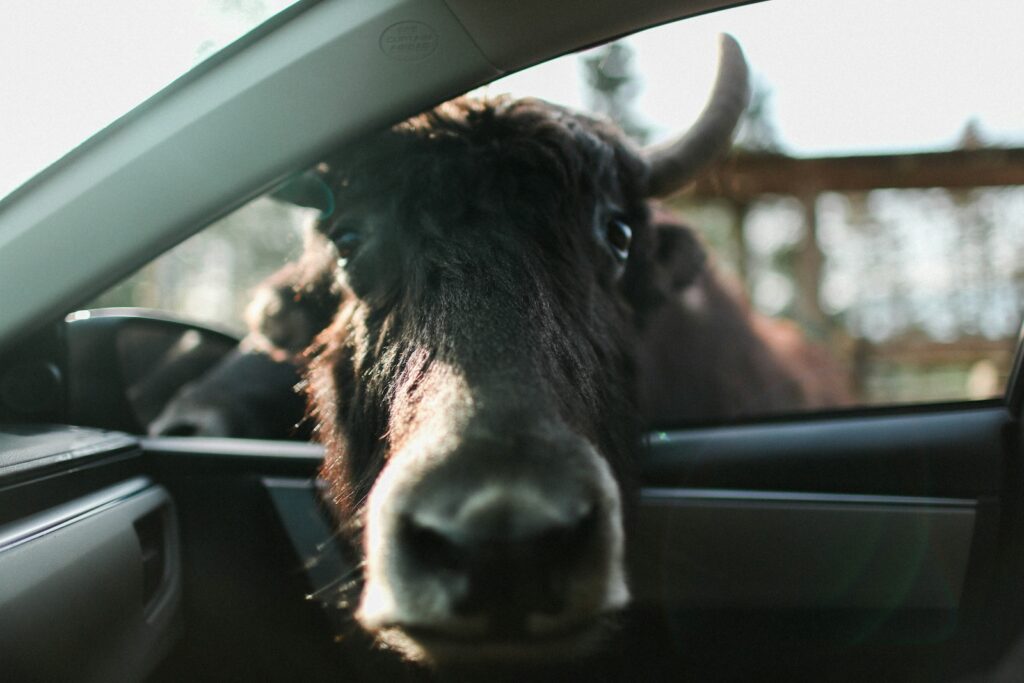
(251, 9)
(971, 137)
(210, 277)
(757, 132)
(613, 85)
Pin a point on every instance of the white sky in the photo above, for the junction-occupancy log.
(871, 75)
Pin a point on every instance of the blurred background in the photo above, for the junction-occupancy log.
(874, 195)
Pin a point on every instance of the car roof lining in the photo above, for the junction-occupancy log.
(209, 143)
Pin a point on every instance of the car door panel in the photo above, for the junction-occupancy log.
(90, 571)
(722, 549)
(833, 548)
(251, 523)
(828, 513)
(896, 570)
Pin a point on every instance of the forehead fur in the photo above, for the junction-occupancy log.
(497, 153)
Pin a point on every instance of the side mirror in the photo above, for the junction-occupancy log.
(124, 364)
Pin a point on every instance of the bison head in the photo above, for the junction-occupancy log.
(475, 387)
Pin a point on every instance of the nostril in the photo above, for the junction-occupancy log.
(430, 548)
(503, 570)
(562, 543)
(579, 535)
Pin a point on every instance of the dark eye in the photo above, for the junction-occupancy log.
(619, 236)
(346, 243)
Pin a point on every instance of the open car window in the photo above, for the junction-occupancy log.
(875, 230)
(210, 278)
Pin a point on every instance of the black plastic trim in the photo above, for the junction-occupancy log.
(1015, 383)
(23, 531)
(656, 495)
(172, 456)
(941, 454)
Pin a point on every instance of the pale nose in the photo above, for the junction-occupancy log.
(503, 555)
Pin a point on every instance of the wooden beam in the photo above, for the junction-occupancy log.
(924, 353)
(743, 177)
(808, 271)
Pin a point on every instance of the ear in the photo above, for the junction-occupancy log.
(310, 189)
(294, 304)
(669, 257)
(679, 255)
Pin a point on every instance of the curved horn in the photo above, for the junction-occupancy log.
(674, 163)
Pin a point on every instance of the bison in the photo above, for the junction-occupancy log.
(488, 312)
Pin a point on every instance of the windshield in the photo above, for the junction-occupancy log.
(70, 69)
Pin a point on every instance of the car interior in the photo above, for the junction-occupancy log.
(882, 542)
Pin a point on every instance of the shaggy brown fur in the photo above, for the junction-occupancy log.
(480, 227)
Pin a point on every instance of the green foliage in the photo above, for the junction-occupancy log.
(613, 86)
